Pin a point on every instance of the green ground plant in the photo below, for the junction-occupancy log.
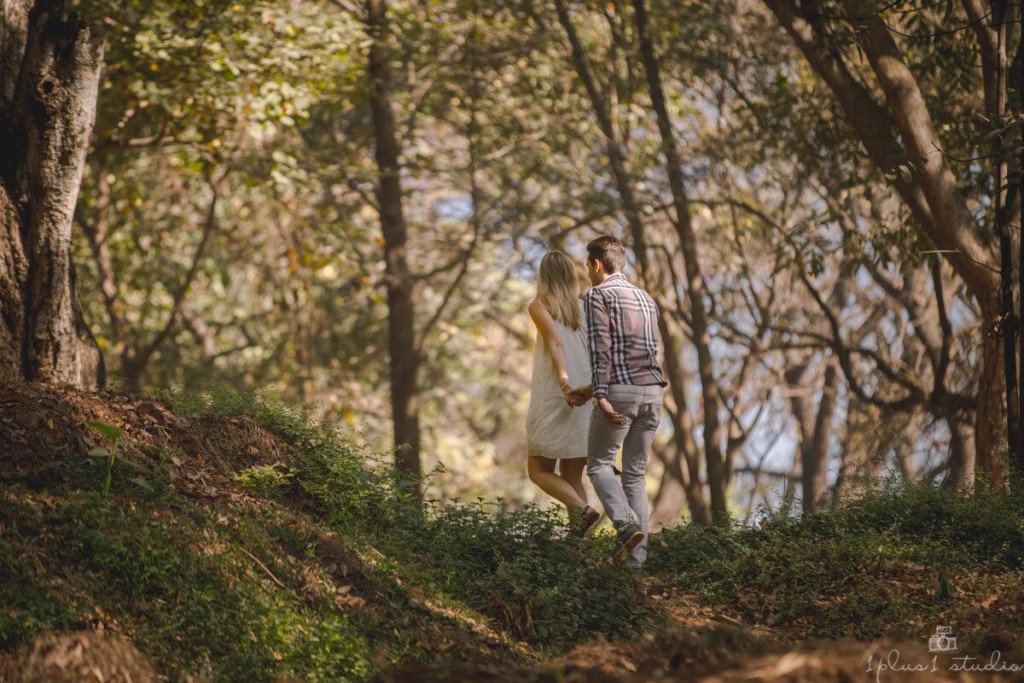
(264, 480)
(223, 593)
(109, 455)
(516, 568)
(861, 570)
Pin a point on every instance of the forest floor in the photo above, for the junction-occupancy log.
(236, 544)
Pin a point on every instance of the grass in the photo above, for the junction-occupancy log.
(231, 585)
(869, 568)
(180, 585)
(236, 585)
(516, 568)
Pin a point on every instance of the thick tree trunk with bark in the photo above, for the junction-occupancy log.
(405, 397)
(1017, 103)
(50, 63)
(991, 31)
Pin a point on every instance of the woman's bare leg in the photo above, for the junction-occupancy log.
(572, 472)
(542, 473)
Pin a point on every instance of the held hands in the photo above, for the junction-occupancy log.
(576, 396)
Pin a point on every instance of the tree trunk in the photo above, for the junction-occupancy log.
(670, 499)
(815, 433)
(405, 397)
(631, 212)
(682, 462)
(1017, 207)
(713, 429)
(50, 63)
(991, 31)
(963, 456)
(814, 466)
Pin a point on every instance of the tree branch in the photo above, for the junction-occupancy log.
(209, 224)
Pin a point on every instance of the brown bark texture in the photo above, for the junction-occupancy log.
(405, 397)
(50, 63)
(718, 479)
(815, 429)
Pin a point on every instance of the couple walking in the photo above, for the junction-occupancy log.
(604, 348)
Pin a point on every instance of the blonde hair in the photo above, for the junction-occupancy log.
(558, 288)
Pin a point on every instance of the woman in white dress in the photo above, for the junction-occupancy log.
(556, 429)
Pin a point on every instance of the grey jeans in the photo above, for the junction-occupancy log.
(625, 502)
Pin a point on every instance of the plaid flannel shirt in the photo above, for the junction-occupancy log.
(622, 332)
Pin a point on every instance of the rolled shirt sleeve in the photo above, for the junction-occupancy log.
(599, 341)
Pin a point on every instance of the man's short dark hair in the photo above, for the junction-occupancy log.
(609, 251)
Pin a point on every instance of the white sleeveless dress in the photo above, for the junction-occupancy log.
(553, 428)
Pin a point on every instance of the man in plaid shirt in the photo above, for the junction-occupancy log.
(628, 388)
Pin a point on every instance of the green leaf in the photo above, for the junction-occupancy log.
(99, 453)
(141, 482)
(109, 431)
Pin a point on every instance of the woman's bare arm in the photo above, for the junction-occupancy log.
(552, 341)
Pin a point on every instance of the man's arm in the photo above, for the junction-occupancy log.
(599, 337)
(599, 340)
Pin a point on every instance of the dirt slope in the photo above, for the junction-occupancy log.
(183, 470)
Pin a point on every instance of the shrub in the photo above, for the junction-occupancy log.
(264, 480)
(845, 572)
(517, 568)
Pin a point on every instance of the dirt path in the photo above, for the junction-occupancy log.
(703, 647)
(682, 656)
